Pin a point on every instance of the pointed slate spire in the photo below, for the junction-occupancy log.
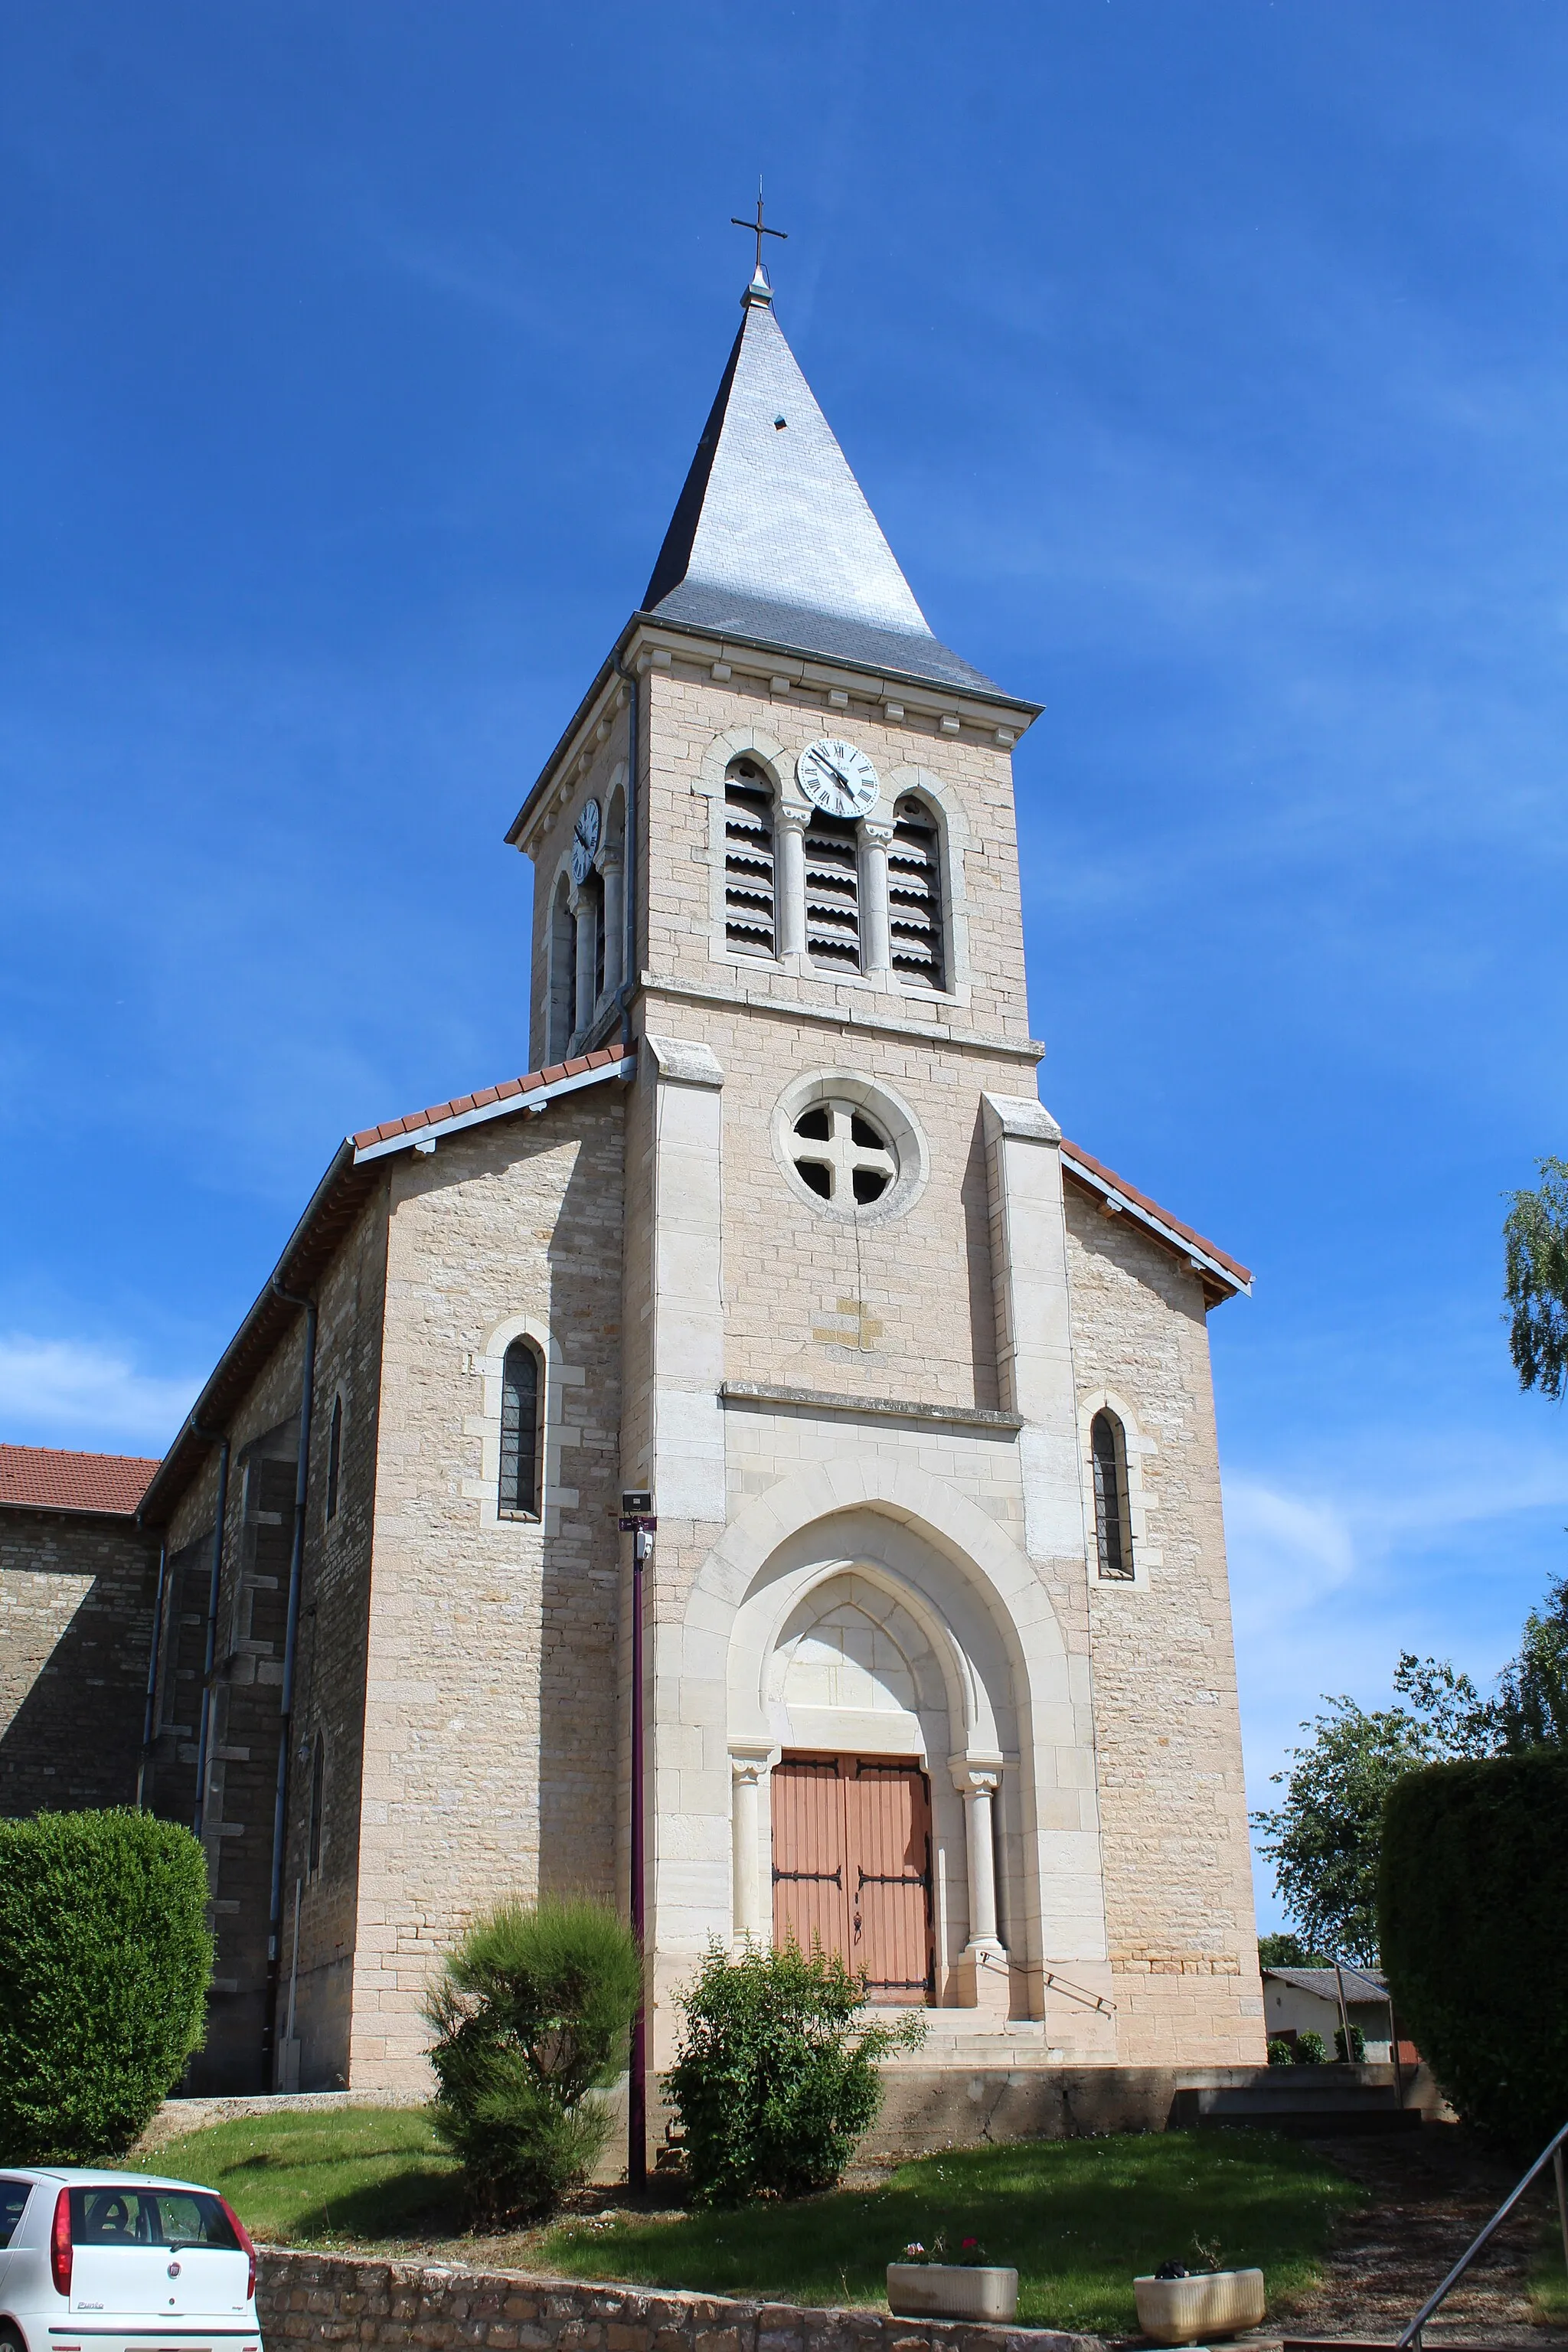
(772, 539)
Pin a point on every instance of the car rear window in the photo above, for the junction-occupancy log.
(14, 2196)
(150, 2217)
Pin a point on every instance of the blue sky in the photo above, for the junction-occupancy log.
(1204, 362)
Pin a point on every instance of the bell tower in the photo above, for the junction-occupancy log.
(777, 875)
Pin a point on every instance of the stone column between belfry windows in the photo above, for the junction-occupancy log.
(789, 867)
(876, 940)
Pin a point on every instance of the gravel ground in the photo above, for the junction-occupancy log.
(1431, 2192)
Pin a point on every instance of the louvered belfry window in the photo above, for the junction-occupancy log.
(519, 1402)
(751, 913)
(1113, 1534)
(832, 894)
(914, 896)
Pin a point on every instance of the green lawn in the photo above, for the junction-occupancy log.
(348, 2175)
(1079, 2217)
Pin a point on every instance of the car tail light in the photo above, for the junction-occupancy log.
(60, 2244)
(243, 2234)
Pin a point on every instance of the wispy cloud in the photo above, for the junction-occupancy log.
(79, 1393)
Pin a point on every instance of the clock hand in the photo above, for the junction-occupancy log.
(837, 773)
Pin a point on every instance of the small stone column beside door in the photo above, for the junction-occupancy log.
(750, 1765)
(983, 1975)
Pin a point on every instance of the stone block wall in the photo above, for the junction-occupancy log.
(263, 1429)
(330, 1687)
(1178, 1866)
(490, 1729)
(76, 1622)
(319, 2299)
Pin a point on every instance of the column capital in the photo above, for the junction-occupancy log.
(751, 1760)
(792, 816)
(877, 829)
(977, 1774)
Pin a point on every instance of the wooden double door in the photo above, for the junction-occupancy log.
(852, 1867)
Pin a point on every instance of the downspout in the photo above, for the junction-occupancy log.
(629, 924)
(154, 1649)
(291, 1644)
(210, 1437)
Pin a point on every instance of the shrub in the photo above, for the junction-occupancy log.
(1311, 2050)
(1280, 2052)
(531, 2012)
(1474, 1912)
(775, 2079)
(104, 1966)
(1356, 2054)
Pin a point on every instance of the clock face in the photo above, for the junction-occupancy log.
(585, 842)
(839, 779)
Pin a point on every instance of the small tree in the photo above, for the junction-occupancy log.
(105, 1961)
(1323, 1840)
(1286, 1951)
(776, 2079)
(532, 2014)
(1535, 1241)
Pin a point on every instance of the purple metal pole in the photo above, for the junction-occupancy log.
(636, 2104)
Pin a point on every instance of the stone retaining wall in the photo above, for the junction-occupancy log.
(342, 2299)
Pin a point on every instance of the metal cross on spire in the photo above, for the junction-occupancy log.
(759, 228)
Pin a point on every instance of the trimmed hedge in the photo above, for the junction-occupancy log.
(1473, 1902)
(104, 1965)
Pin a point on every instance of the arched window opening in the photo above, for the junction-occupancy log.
(334, 1457)
(914, 896)
(318, 1797)
(1113, 1531)
(563, 975)
(750, 898)
(832, 894)
(523, 1397)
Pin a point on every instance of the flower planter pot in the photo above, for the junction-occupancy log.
(952, 2291)
(1212, 2302)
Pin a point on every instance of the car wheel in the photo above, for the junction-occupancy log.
(11, 2341)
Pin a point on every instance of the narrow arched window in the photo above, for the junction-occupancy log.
(318, 1797)
(751, 903)
(914, 896)
(521, 1403)
(1113, 1535)
(561, 1007)
(833, 893)
(334, 1457)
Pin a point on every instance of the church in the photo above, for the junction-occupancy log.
(776, 1247)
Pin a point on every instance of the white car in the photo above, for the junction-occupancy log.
(120, 2262)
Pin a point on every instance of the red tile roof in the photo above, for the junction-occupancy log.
(508, 1087)
(44, 1478)
(1141, 1199)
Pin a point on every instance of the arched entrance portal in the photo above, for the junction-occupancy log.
(872, 1719)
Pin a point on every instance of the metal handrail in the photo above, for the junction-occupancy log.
(1551, 2154)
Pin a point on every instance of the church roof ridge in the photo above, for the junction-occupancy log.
(492, 1101)
(328, 1216)
(1118, 1193)
(773, 539)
